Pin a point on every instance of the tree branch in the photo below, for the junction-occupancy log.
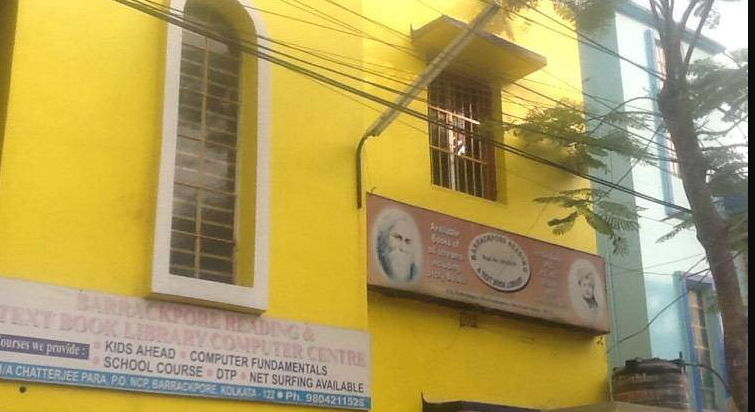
(698, 33)
(654, 6)
(727, 131)
(688, 12)
(728, 146)
(604, 117)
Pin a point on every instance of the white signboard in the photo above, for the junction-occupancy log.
(64, 336)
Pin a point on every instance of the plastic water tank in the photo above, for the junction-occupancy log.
(652, 382)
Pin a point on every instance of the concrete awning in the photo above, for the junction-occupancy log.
(614, 407)
(466, 406)
(488, 57)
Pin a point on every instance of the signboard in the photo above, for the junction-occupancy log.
(426, 253)
(64, 336)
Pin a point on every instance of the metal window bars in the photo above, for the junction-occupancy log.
(702, 349)
(460, 160)
(203, 234)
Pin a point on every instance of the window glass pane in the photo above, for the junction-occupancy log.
(216, 122)
(220, 168)
(189, 146)
(190, 114)
(217, 216)
(217, 232)
(184, 193)
(219, 183)
(215, 277)
(217, 47)
(220, 201)
(228, 139)
(192, 53)
(708, 380)
(184, 225)
(222, 107)
(191, 69)
(224, 92)
(191, 99)
(225, 62)
(188, 177)
(213, 247)
(192, 83)
(189, 129)
(181, 259)
(222, 78)
(185, 210)
(219, 153)
(709, 400)
(182, 271)
(182, 241)
(193, 39)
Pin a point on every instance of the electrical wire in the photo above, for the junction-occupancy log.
(684, 276)
(399, 92)
(406, 50)
(529, 179)
(320, 78)
(419, 130)
(561, 103)
(515, 81)
(317, 76)
(665, 308)
(644, 269)
(599, 46)
(375, 22)
(588, 41)
(712, 370)
(601, 99)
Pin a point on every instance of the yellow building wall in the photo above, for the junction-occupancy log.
(78, 177)
(7, 37)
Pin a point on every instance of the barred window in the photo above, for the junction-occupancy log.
(702, 348)
(460, 159)
(203, 229)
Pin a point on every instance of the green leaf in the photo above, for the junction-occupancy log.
(605, 216)
(562, 226)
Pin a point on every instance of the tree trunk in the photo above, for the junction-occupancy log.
(712, 231)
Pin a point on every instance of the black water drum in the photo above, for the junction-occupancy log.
(652, 382)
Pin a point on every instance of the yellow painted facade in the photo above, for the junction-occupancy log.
(78, 184)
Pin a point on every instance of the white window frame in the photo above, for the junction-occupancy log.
(164, 284)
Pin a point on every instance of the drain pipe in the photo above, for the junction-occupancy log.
(431, 72)
(360, 149)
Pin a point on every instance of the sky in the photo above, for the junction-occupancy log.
(734, 27)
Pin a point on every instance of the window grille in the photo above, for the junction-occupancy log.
(702, 349)
(203, 230)
(460, 159)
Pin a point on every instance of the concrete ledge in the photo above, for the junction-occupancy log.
(615, 407)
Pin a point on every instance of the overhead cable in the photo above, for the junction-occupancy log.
(253, 50)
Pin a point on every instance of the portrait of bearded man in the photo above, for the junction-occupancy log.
(587, 292)
(586, 283)
(398, 246)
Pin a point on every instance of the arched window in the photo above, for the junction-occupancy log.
(203, 227)
(212, 215)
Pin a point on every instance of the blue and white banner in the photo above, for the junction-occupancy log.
(70, 337)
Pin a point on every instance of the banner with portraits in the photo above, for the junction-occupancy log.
(427, 254)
